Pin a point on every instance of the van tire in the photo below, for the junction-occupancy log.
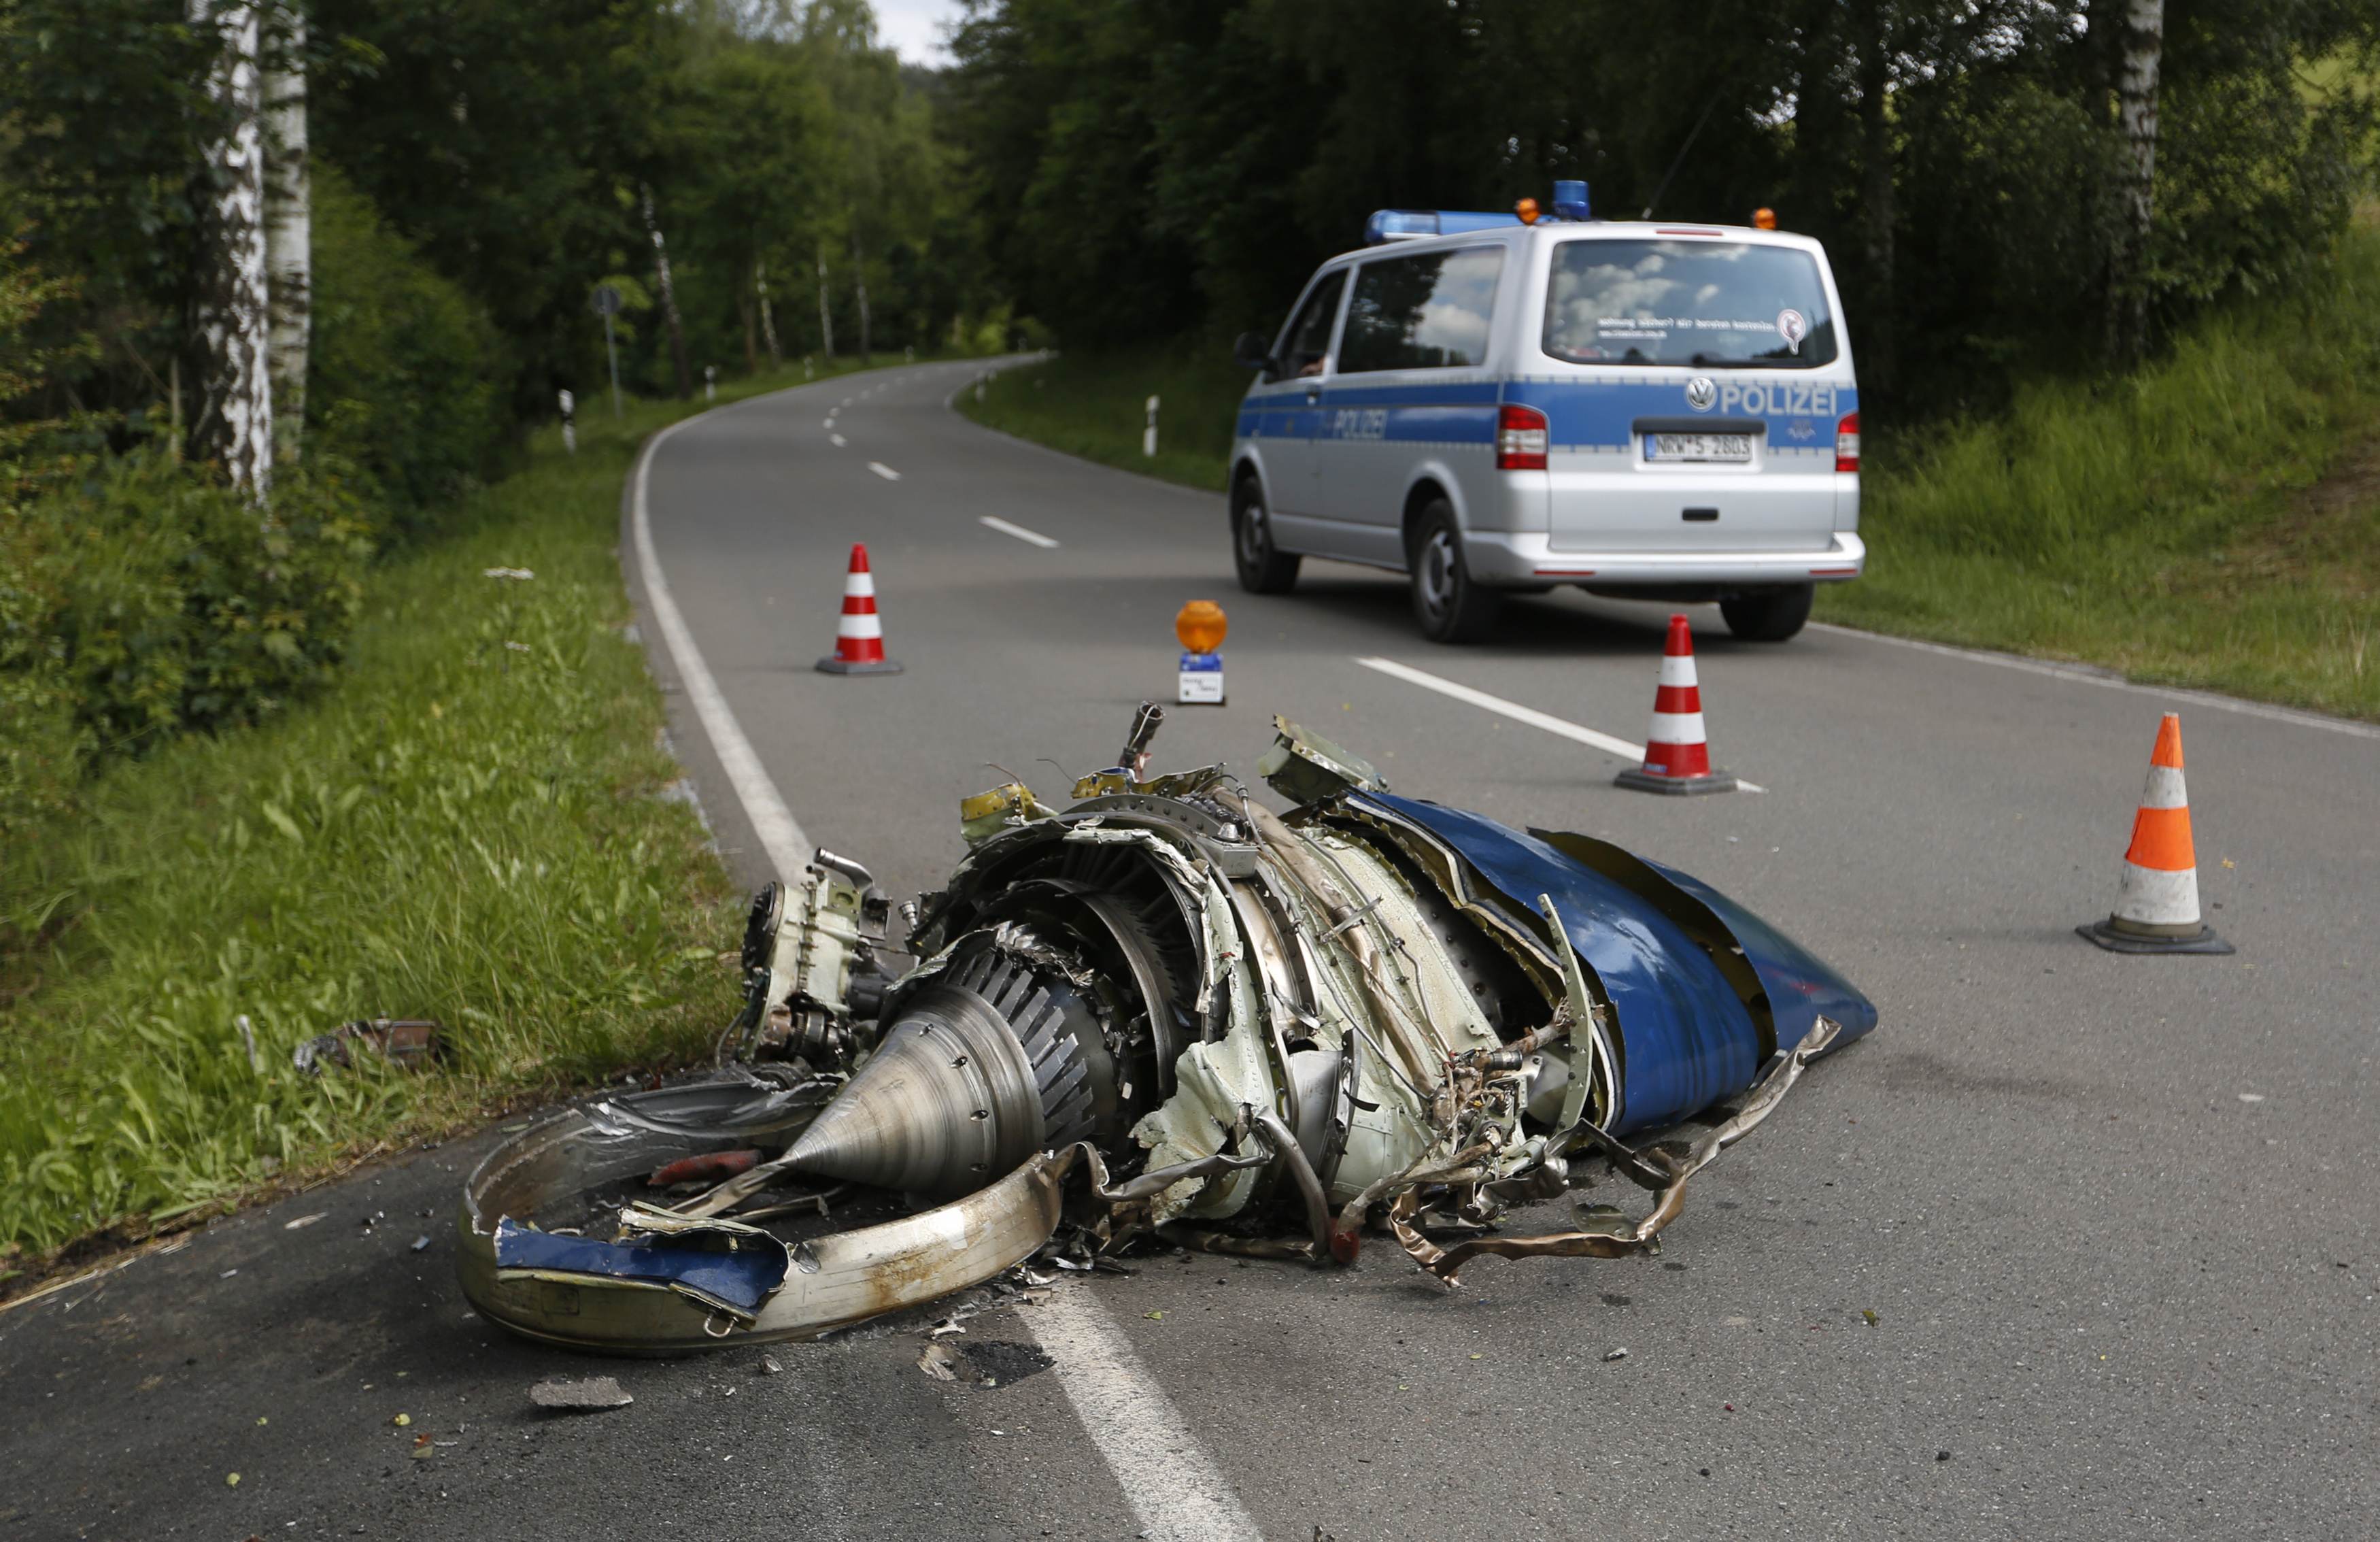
(1448, 605)
(1263, 569)
(1768, 615)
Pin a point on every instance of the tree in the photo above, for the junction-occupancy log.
(235, 421)
(2136, 96)
(288, 225)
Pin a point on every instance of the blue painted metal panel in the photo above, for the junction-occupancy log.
(1686, 1039)
(1350, 391)
(1799, 412)
(740, 1281)
(1801, 986)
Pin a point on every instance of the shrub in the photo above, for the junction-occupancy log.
(402, 381)
(156, 599)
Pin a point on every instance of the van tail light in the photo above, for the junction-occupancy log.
(1521, 438)
(1847, 443)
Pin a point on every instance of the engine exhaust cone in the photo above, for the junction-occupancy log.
(946, 1104)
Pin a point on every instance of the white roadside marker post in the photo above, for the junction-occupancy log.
(711, 382)
(569, 428)
(1148, 434)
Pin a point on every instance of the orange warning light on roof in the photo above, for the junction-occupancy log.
(1527, 210)
(1200, 627)
(1764, 219)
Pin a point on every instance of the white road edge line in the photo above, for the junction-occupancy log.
(884, 471)
(1175, 1488)
(789, 850)
(1019, 531)
(1519, 713)
(2084, 675)
(1172, 1485)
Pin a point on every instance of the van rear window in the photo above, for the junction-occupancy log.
(1715, 304)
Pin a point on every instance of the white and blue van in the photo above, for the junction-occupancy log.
(1511, 402)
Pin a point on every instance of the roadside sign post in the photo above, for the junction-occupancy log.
(606, 303)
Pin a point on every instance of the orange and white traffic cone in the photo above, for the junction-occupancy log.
(1677, 750)
(859, 635)
(2156, 902)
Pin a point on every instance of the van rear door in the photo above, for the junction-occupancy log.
(1696, 383)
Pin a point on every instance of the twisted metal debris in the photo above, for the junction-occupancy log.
(1248, 1032)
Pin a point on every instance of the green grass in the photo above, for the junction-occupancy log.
(1095, 405)
(464, 826)
(2212, 520)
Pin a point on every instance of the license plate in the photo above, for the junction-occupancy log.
(1721, 448)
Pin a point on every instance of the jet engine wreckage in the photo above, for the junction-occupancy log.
(1165, 1011)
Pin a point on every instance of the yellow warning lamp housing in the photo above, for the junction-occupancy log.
(1527, 210)
(1764, 219)
(1200, 627)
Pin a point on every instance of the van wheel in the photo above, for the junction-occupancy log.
(1263, 570)
(1768, 615)
(1450, 606)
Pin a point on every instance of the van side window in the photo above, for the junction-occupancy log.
(1428, 312)
(1306, 346)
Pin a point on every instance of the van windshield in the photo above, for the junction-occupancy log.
(1715, 304)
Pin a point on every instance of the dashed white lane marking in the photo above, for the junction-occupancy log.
(1175, 1488)
(835, 440)
(1019, 531)
(2081, 676)
(1518, 713)
(830, 421)
(884, 471)
(788, 849)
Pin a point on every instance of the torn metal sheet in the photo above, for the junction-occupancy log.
(1256, 1031)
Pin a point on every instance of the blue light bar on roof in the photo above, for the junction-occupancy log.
(1411, 225)
(1570, 200)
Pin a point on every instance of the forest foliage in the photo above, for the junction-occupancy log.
(476, 173)
(1146, 171)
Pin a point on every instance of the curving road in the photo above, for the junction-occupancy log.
(2111, 1215)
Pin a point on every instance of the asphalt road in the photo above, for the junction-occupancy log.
(2113, 1216)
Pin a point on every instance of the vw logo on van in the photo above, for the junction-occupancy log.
(1701, 393)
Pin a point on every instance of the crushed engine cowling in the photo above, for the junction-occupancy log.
(1258, 1032)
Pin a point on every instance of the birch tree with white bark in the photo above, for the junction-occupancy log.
(2136, 113)
(288, 228)
(234, 422)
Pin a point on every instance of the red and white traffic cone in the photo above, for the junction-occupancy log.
(859, 635)
(1677, 751)
(2157, 900)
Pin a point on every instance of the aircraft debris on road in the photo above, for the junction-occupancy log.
(1165, 1011)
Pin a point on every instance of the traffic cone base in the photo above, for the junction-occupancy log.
(860, 635)
(1677, 749)
(1644, 780)
(2118, 936)
(2156, 899)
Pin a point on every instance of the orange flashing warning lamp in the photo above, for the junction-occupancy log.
(1200, 627)
(1527, 210)
(1764, 219)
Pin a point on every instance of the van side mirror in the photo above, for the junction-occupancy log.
(1251, 353)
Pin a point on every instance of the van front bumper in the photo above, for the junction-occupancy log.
(1504, 561)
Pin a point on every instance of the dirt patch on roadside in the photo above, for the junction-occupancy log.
(2326, 541)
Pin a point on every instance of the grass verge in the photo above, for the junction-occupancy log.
(467, 825)
(2210, 520)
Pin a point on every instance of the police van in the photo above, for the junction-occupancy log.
(1497, 402)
